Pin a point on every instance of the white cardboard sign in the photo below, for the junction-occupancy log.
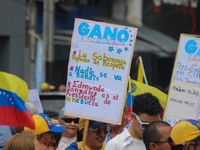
(98, 70)
(184, 93)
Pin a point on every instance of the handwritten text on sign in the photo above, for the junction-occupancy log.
(98, 70)
(187, 65)
(187, 73)
(184, 96)
(185, 100)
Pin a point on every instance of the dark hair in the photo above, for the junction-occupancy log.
(151, 133)
(146, 103)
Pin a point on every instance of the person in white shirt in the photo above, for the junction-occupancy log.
(146, 109)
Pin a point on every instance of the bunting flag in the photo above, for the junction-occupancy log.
(13, 95)
(136, 88)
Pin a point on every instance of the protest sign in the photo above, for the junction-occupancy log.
(184, 93)
(98, 70)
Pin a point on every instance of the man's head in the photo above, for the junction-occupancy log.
(146, 109)
(71, 123)
(45, 129)
(156, 136)
(186, 135)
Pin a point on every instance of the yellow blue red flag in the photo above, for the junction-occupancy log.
(136, 88)
(141, 77)
(13, 95)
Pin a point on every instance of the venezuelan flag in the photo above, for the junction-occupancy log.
(136, 88)
(13, 95)
(130, 101)
(141, 77)
(130, 98)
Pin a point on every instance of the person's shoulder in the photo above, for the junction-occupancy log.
(113, 143)
(118, 139)
(123, 135)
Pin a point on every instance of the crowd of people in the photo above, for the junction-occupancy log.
(145, 131)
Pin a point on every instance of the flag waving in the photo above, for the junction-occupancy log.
(136, 88)
(141, 77)
(13, 95)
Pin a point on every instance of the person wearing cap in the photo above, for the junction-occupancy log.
(185, 135)
(156, 135)
(95, 137)
(146, 109)
(45, 130)
(70, 134)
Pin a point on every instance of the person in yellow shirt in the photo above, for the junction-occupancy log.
(95, 137)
